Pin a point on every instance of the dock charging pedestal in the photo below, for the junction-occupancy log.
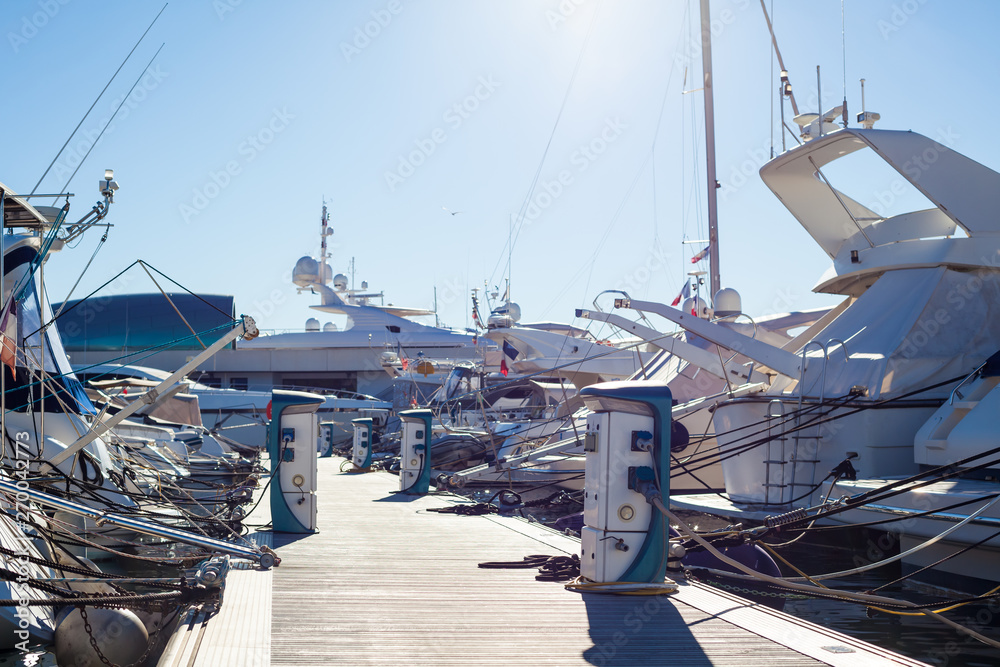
(291, 444)
(627, 445)
(415, 452)
(325, 443)
(361, 454)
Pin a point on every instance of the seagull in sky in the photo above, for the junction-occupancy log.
(450, 211)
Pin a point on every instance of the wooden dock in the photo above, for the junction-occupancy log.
(385, 582)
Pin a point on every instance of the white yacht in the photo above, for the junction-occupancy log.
(237, 414)
(920, 312)
(563, 350)
(354, 357)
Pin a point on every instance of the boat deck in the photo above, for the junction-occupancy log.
(385, 582)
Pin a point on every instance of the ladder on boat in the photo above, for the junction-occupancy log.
(791, 458)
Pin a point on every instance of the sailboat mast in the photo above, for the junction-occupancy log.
(713, 205)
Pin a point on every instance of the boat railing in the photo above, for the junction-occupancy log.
(970, 376)
(323, 391)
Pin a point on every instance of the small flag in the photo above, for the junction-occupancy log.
(685, 293)
(510, 350)
(701, 255)
(8, 332)
(503, 366)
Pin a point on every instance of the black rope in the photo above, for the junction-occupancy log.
(551, 568)
(102, 600)
(479, 509)
(869, 524)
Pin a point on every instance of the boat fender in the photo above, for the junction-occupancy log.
(679, 437)
(119, 634)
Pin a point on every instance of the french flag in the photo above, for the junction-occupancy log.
(685, 293)
(701, 255)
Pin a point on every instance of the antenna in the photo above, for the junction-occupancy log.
(843, 48)
(819, 102)
(510, 247)
(866, 118)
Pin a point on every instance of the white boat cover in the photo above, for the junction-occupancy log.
(913, 328)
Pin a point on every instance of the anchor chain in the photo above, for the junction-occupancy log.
(97, 649)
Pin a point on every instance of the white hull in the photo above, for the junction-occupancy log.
(785, 468)
(980, 563)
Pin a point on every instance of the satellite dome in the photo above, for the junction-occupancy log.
(329, 326)
(340, 282)
(698, 307)
(506, 315)
(306, 272)
(312, 324)
(325, 273)
(514, 311)
(728, 303)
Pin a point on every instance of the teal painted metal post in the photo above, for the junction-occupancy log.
(650, 563)
(415, 452)
(362, 452)
(293, 481)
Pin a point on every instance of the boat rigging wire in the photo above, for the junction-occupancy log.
(552, 134)
(100, 244)
(108, 124)
(70, 138)
(133, 356)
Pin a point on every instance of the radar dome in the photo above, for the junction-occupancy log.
(312, 324)
(340, 282)
(329, 326)
(728, 303)
(325, 273)
(697, 306)
(306, 272)
(514, 311)
(506, 315)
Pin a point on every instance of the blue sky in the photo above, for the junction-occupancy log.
(253, 112)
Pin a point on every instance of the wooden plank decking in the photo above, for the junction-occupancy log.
(385, 582)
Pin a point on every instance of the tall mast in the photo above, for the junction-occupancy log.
(715, 283)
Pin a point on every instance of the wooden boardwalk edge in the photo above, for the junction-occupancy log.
(385, 582)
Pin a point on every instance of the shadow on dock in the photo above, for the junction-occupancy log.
(629, 630)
